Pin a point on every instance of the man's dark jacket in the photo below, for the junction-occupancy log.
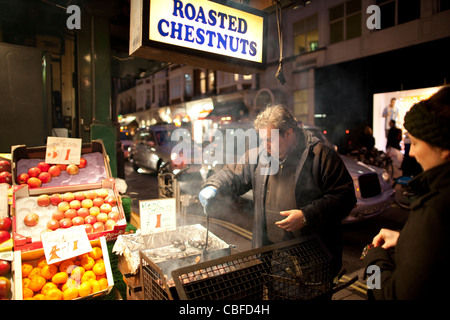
(325, 196)
(418, 269)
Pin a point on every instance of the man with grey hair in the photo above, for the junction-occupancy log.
(310, 191)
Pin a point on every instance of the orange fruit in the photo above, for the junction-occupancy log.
(37, 283)
(47, 287)
(27, 293)
(96, 253)
(70, 293)
(48, 271)
(99, 268)
(39, 296)
(95, 286)
(64, 266)
(71, 283)
(60, 278)
(77, 273)
(87, 262)
(42, 262)
(25, 282)
(84, 289)
(54, 294)
(103, 283)
(88, 275)
(26, 269)
(35, 272)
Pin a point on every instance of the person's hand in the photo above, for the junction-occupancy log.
(386, 238)
(207, 196)
(293, 220)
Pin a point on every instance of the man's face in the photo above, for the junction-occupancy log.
(276, 144)
(392, 103)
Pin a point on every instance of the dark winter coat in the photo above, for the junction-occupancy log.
(418, 266)
(325, 196)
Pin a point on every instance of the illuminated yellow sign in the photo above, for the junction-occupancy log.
(207, 26)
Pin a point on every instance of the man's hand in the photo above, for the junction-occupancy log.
(386, 238)
(293, 220)
(207, 196)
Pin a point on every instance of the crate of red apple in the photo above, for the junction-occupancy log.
(98, 208)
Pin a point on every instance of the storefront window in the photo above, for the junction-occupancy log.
(301, 105)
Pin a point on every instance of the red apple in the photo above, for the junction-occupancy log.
(4, 236)
(45, 177)
(5, 267)
(34, 171)
(43, 200)
(105, 208)
(111, 200)
(98, 227)
(109, 225)
(88, 227)
(55, 171)
(65, 223)
(63, 206)
(77, 221)
(62, 166)
(79, 196)
(113, 215)
(90, 194)
(68, 196)
(5, 288)
(58, 215)
(75, 204)
(72, 169)
(87, 203)
(83, 212)
(55, 199)
(34, 182)
(5, 223)
(31, 219)
(53, 224)
(94, 211)
(97, 202)
(43, 166)
(23, 178)
(90, 219)
(5, 165)
(102, 217)
(83, 163)
(71, 213)
(102, 193)
(5, 177)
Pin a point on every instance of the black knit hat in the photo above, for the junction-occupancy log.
(427, 126)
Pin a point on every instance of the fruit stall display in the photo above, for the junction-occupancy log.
(80, 277)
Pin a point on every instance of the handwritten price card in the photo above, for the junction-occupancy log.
(157, 215)
(63, 244)
(63, 150)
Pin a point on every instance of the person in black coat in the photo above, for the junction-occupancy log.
(305, 190)
(413, 263)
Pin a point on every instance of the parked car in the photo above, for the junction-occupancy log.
(153, 148)
(373, 185)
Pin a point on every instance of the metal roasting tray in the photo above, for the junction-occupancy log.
(292, 270)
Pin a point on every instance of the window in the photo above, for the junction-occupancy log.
(395, 12)
(306, 35)
(345, 21)
(443, 5)
(188, 84)
(301, 105)
(203, 82)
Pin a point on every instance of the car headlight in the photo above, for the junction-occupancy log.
(385, 176)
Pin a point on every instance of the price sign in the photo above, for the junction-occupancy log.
(63, 244)
(157, 215)
(63, 150)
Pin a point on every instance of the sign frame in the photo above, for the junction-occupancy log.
(141, 45)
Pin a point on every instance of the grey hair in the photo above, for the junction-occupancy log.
(278, 117)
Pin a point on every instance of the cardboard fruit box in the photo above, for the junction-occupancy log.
(97, 169)
(27, 236)
(35, 256)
